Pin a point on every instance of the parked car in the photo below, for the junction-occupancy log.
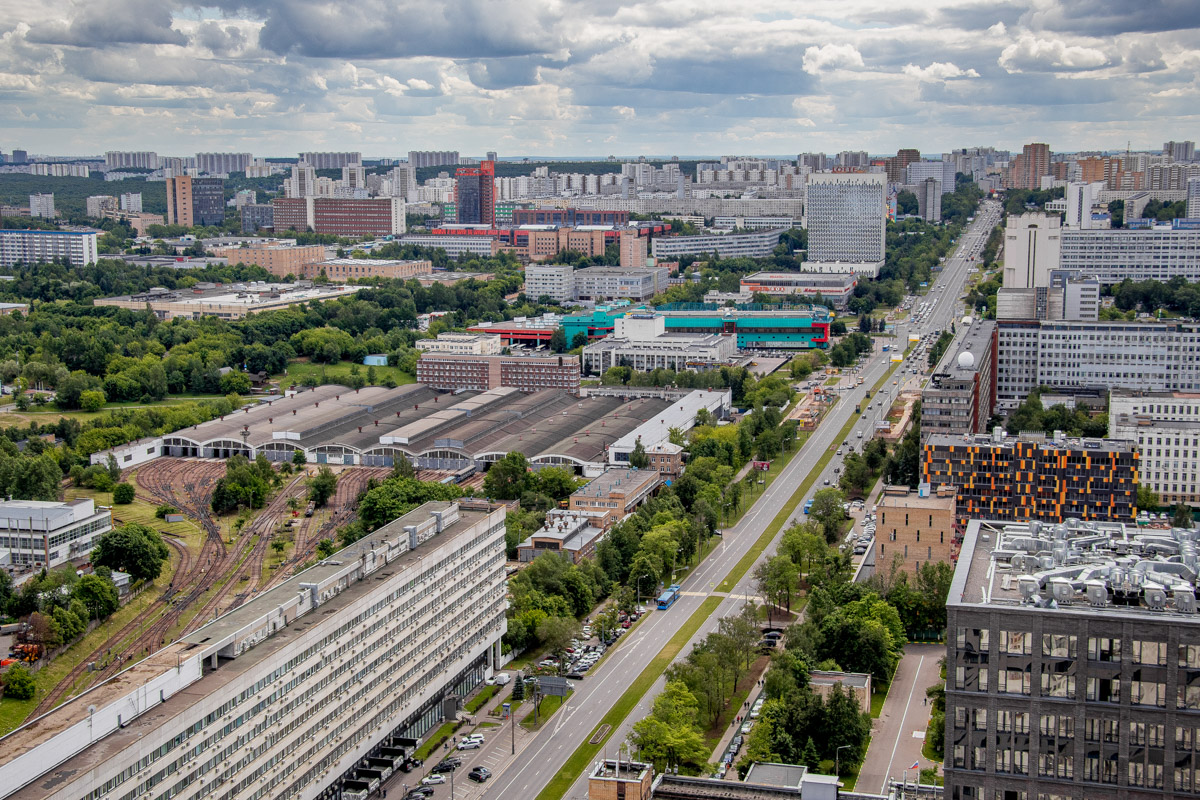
(479, 774)
(470, 744)
(433, 780)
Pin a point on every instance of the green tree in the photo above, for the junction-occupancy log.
(98, 595)
(325, 548)
(92, 400)
(18, 683)
(508, 478)
(827, 512)
(123, 493)
(1182, 517)
(114, 469)
(322, 486)
(809, 756)
(235, 383)
(132, 548)
(668, 737)
(580, 340)
(638, 458)
(298, 458)
(1147, 499)
(556, 634)
(278, 545)
(558, 341)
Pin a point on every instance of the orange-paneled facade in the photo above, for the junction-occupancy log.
(1020, 480)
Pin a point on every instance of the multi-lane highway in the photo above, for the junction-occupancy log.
(542, 758)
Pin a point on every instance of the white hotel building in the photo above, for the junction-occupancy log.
(285, 696)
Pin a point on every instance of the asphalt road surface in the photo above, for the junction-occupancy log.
(573, 724)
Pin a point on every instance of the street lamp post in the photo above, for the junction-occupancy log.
(512, 728)
(837, 762)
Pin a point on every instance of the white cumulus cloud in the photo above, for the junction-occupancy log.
(939, 71)
(831, 56)
(1031, 54)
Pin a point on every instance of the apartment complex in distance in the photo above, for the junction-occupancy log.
(1166, 427)
(1032, 477)
(301, 683)
(195, 201)
(1072, 663)
(33, 247)
(528, 373)
(280, 258)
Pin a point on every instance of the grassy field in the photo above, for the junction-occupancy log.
(142, 513)
(480, 700)
(545, 709)
(586, 753)
(340, 373)
(435, 740)
(50, 413)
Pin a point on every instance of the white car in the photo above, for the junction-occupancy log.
(433, 780)
(470, 744)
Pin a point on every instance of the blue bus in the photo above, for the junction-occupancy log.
(668, 598)
(808, 505)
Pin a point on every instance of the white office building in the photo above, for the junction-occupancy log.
(288, 694)
(466, 344)
(454, 246)
(35, 247)
(846, 220)
(941, 171)
(1166, 427)
(1076, 354)
(1159, 253)
(556, 281)
(37, 533)
(1080, 198)
(1031, 249)
(728, 245)
(605, 283)
(42, 205)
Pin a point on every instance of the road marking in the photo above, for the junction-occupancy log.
(896, 746)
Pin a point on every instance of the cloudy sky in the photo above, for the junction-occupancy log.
(567, 77)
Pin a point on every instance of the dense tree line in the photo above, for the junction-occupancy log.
(1031, 415)
(1176, 296)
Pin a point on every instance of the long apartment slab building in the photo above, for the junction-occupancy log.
(1166, 428)
(1033, 477)
(286, 695)
(454, 372)
(1073, 663)
(79, 248)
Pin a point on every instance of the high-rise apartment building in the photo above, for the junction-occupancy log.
(1032, 243)
(1072, 663)
(929, 199)
(853, 159)
(330, 160)
(1032, 477)
(897, 167)
(475, 193)
(633, 250)
(433, 158)
(846, 219)
(1180, 151)
(131, 202)
(1193, 199)
(403, 178)
(19, 156)
(138, 159)
(555, 281)
(195, 201)
(97, 205)
(222, 163)
(1081, 197)
(1028, 168)
(288, 694)
(42, 205)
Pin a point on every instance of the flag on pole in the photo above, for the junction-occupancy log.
(915, 765)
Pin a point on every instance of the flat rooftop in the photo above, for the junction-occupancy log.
(859, 680)
(914, 500)
(976, 341)
(1046, 442)
(626, 480)
(1079, 566)
(237, 294)
(214, 680)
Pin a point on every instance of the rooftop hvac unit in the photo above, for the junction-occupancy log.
(1185, 601)
(1062, 591)
(1156, 598)
(1028, 586)
(1097, 593)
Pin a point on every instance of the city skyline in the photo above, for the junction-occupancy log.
(556, 79)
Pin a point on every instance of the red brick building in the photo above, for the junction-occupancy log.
(451, 372)
(374, 216)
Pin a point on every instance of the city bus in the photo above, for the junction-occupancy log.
(668, 598)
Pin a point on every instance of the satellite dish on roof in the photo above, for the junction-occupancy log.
(966, 360)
